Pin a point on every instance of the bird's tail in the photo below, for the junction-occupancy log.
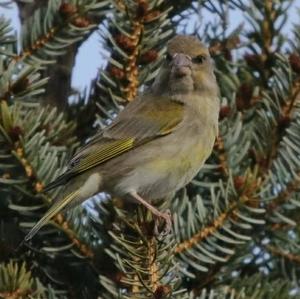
(61, 180)
(58, 206)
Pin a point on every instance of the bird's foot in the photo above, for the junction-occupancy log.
(158, 216)
(164, 229)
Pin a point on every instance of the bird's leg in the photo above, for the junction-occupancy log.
(158, 215)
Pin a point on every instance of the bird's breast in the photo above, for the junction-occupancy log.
(168, 163)
(179, 159)
(194, 148)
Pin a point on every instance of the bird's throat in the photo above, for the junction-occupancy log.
(181, 84)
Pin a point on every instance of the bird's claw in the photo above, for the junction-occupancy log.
(167, 225)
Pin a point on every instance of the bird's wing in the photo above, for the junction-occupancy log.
(140, 122)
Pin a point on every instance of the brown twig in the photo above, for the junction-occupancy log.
(70, 14)
(286, 255)
(59, 218)
(36, 185)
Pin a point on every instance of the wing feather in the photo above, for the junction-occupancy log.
(140, 122)
(105, 153)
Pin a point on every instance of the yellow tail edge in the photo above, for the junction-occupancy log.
(58, 206)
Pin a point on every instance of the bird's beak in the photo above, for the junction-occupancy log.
(181, 65)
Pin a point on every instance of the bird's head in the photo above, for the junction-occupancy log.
(187, 67)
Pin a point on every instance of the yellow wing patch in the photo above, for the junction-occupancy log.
(105, 153)
(150, 124)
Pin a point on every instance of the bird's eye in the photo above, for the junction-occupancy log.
(199, 59)
(169, 57)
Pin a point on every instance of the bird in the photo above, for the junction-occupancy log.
(156, 145)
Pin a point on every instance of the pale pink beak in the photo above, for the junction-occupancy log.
(181, 65)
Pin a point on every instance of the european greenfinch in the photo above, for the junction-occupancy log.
(158, 142)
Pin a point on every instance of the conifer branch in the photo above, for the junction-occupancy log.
(143, 260)
(221, 156)
(18, 149)
(209, 230)
(137, 33)
(286, 255)
(54, 28)
(245, 199)
(285, 118)
(285, 195)
(228, 226)
(17, 282)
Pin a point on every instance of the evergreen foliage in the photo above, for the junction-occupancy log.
(235, 226)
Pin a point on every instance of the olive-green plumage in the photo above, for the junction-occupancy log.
(157, 144)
